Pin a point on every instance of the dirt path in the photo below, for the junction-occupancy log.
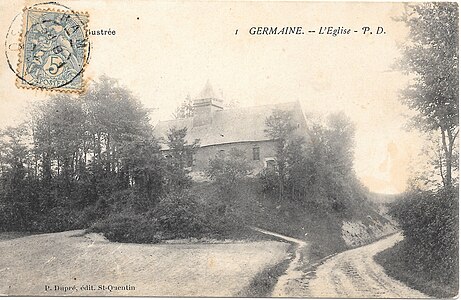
(73, 264)
(355, 274)
(293, 274)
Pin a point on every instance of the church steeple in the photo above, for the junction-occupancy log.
(205, 105)
(207, 91)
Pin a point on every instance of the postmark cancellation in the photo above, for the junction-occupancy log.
(54, 50)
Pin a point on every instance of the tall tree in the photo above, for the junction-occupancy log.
(180, 159)
(15, 206)
(431, 56)
(279, 127)
(185, 109)
(340, 148)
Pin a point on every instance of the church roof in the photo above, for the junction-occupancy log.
(246, 124)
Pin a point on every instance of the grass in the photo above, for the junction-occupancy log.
(309, 220)
(264, 282)
(404, 270)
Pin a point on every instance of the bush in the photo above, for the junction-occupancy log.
(177, 215)
(181, 215)
(224, 221)
(13, 217)
(132, 228)
(225, 170)
(127, 201)
(59, 218)
(269, 180)
(429, 221)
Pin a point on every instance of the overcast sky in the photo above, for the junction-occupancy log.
(163, 51)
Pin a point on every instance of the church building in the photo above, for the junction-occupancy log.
(219, 130)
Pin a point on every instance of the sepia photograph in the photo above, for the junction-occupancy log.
(229, 149)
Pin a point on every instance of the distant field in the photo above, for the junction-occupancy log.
(71, 259)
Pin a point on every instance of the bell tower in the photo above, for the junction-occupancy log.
(205, 106)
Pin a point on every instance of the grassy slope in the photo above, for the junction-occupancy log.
(264, 282)
(308, 221)
(400, 267)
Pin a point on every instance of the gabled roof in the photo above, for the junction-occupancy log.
(246, 124)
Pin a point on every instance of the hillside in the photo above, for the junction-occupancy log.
(312, 220)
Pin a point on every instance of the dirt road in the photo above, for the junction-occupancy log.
(288, 281)
(355, 274)
(71, 263)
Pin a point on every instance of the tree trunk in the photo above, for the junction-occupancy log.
(448, 153)
(108, 155)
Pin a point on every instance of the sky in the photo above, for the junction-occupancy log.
(163, 51)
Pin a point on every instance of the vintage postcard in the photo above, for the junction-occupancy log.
(229, 149)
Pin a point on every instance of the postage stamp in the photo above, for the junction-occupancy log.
(53, 50)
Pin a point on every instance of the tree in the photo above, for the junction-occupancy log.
(141, 158)
(299, 168)
(227, 169)
(340, 143)
(185, 109)
(114, 117)
(180, 158)
(58, 131)
(279, 127)
(15, 206)
(74, 152)
(431, 56)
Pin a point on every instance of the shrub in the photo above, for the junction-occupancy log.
(132, 228)
(224, 220)
(128, 201)
(12, 217)
(269, 180)
(177, 215)
(226, 169)
(429, 221)
(59, 218)
(181, 215)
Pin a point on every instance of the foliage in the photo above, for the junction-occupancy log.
(92, 161)
(177, 215)
(431, 56)
(185, 109)
(79, 153)
(311, 218)
(131, 228)
(143, 160)
(269, 180)
(280, 127)
(182, 215)
(429, 220)
(317, 165)
(180, 159)
(227, 169)
(56, 219)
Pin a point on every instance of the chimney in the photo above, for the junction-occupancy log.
(205, 106)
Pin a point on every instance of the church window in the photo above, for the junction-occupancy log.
(256, 155)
